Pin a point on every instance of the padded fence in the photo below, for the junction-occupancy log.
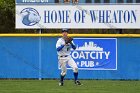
(35, 57)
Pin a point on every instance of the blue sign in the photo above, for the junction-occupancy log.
(34, 1)
(95, 53)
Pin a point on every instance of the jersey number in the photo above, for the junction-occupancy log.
(68, 48)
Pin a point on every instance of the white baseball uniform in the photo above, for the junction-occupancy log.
(64, 56)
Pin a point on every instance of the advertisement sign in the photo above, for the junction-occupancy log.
(34, 1)
(77, 16)
(95, 53)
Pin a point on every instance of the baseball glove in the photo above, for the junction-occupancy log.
(68, 39)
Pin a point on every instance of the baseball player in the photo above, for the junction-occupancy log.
(63, 46)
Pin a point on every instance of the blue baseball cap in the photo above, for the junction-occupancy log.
(64, 30)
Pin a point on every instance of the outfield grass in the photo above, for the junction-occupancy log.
(51, 86)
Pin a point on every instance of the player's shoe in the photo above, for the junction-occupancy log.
(61, 83)
(78, 83)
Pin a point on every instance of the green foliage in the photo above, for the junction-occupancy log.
(7, 15)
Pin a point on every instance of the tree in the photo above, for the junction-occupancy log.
(7, 15)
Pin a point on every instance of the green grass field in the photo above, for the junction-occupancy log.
(51, 86)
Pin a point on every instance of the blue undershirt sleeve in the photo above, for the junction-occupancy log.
(73, 46)
(60, 47)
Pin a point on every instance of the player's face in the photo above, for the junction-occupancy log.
(65, 34)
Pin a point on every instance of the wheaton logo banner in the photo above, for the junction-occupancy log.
(95, 53)
(78, 16)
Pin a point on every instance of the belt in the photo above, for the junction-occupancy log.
(64, 56)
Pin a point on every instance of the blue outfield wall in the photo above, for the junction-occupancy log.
(21, 57)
